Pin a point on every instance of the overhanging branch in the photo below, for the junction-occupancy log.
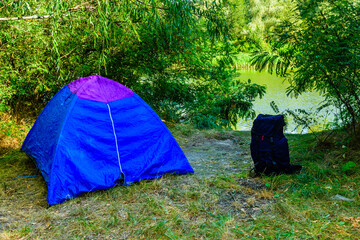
(83, 6)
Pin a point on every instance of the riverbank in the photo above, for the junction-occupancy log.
(220, 201)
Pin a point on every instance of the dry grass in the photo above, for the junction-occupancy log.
(170, 207)
(12, 132)
(228, 206)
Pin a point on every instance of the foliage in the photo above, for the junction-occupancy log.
(349, 167)
(12, 133)
(320, 50)
(307, 119)
(164, 50)
(252, 21)
(229, 101)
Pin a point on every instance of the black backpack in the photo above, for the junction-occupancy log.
(269, 147)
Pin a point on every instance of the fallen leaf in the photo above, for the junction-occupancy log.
(355, 225)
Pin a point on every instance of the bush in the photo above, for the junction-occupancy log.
(319, 51)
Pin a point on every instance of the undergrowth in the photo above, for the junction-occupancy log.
(227, 206)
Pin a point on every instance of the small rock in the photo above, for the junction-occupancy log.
(342, 198)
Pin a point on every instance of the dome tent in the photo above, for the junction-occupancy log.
(95, 133)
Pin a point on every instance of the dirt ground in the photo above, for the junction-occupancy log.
(218, 154)
(228, 153)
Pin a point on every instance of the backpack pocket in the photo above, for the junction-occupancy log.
(281, 152)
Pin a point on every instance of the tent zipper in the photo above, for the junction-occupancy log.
(122, 175)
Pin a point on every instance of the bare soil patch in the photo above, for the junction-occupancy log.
(217, 154)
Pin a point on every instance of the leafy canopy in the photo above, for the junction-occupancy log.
(174, 54)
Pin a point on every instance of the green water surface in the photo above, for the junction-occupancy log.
(276, 91)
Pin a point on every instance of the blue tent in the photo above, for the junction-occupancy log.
(96, 133)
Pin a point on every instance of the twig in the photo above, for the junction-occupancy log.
(24, 18)
(68, 53)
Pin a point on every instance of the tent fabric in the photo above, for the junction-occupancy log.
(93, 129)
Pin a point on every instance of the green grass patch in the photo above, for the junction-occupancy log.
(223, 206)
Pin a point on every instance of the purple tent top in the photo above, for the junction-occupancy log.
(99, 89)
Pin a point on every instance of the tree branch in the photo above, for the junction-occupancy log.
(83, 6)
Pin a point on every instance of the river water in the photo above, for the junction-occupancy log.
(276, 91)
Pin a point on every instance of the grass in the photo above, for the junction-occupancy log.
(227, 206)
(12, 132)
